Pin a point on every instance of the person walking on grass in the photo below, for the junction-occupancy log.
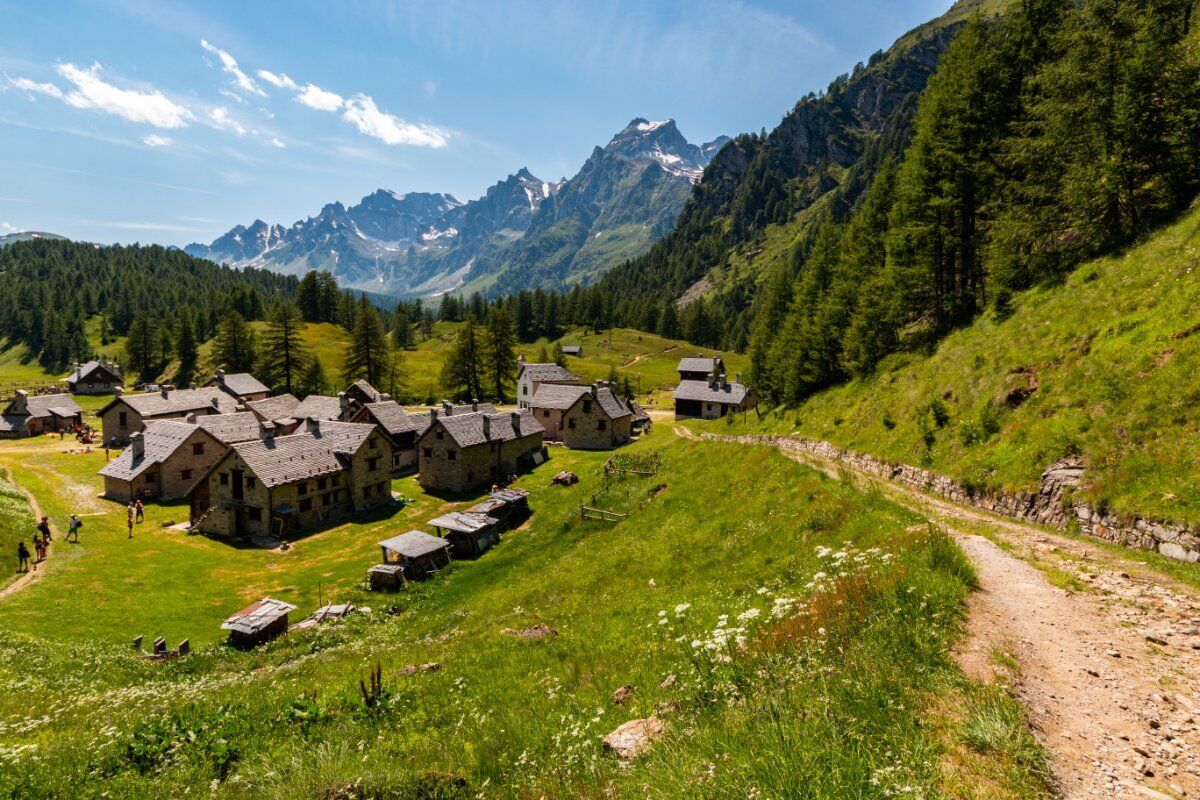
(44, 528)
(22, 557)
(73, 527)
(37, 548)
(141, 514)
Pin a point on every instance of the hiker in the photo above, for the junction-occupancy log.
(37, 548)
(129, 521)
(22, 558)
(73, 527)
(141, 515)
(44, 527)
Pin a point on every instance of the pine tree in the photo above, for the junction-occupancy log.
(368, 355)
(313, 379)
(235, 348)
(559, 356)
(186, 348)
(500, 352)
(668, 322)
(284, 355)
(463, 367)
(140, 346)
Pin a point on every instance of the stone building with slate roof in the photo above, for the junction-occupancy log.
(583, 417)
(280, 485)
(240, 426)
(360, 392)
(531, 376)
(400, 427)
(162, 462)
(711, 399)
(279, 410)
(31, 415)
(699, 368)
(464, 451)
(319, 406)
(241, 385)
(94, 377)
(128, 413)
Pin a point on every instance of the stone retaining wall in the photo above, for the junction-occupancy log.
(1053, 504)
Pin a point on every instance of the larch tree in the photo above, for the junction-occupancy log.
(235, 347)
(284, 355)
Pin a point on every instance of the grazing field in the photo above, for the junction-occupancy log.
(791, 631)
(1104, 365)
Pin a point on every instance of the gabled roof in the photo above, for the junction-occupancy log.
(161, 438)
(463, 522)
(546, 372)
(469, 430)
(318, 406)
(414, 544)
(729, 393)
(229, 428)
(257, 616)
(177, 401)
(366, 390)
(572, 349)
(239, 383)
(557, 396)
(392, 418)
(41, 405)
(84, 371)
(701, 364)
(639, 413)
(343, 437)
(10, 423)
(286, 459)
(270, 409)
(611, 403)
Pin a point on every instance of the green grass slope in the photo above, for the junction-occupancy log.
(855, 697)
(1113, 361)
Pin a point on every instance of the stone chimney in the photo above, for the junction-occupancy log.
(20, 403)
(191, 418)
(721, 380)
(432, 415)
(137, 444)
(593, 390)
(384, 396)
(343, 402)
(516, 423)
(447, 407)
(312, 425)
(192, 385)
(118, 391)
(520, 364)
(220, 376)
(474, 403)
(487, 427)
(165, 390)
(266, 431)
(216, 403)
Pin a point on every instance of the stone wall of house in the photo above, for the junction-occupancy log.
(513, 450)
(1054, 503)
(121, 491)
(581, 430)
(471, 466)
(370, 473)
(552, 420)
(181, 470)
(94, 387)
(110, 423)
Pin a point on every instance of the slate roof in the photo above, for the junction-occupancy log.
(270, 409)
(177, 401)
(639, 413)
(229, 428)
(40, 405)
(343, 437)
(557, 395)
(700, 364)
(547, 372)
(572, 349)
(84, 370)
(414, 544)
(161, 438)
(467, 430)
(393, 419)
(257, 616)
(368, 391)
(463, 522)
(611, 403)
(240, 383)
(729, 394)
(286, 459)
(318, 406)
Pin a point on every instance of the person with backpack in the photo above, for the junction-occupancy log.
(141, 514)
(73, 526)
(44, 528)
(22, 557)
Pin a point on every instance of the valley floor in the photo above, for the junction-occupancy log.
(1103, 651)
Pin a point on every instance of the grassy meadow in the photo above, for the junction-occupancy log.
(792, 631)
(1105, 365)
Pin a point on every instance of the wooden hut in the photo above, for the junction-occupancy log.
(420, 554)
(510, 506)
(470, 534)
(258, 622)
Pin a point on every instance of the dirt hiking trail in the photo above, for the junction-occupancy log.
(1108, 668)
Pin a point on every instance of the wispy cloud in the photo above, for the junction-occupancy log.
(4, 226)
(315, 97)
(362, 112)
(136, 225)
(279, 81)
(28, 85)
(219, 117)
(149, 107)
(229, 64)
(155, 140)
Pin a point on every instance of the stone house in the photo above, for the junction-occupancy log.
(240, 385)
(278, 410)
(531, 376)
(321, 406)
(32, 415)
(400, 427)
(94, 377)
(583, 417)
(699, 368)
(360, 392)
(128, 413)
(280, 485)
(465, 451)
(164, 461)
(711, 399)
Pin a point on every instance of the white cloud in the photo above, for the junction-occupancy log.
(220, 118)
(33, 86)
(316, 97)
(277, 142)
(92, 91)
(4, 226)
(362, 112)
(230, 65)
(155, 140)
(279, 81)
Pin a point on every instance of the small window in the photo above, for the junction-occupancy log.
(601, 424)
(546, 412)
(151, 477)
(306, 504)
(224, 478)
(428, 452)
(372, 443)
(525, 389)
(185, 474)
(337, 479)
(587, 406)
(440, 434)
(250, 482)
(198, 448)
(329, 498)
(571, 424)
(122, 419)
(372, 463)
(302, 488)
(452, 455)
(321, 484)
(255, 514)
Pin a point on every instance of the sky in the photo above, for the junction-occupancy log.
(141, 121)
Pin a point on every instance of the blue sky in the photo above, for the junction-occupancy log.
(168, 122)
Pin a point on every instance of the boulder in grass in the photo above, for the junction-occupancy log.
(621, 695)
(634, 737)
(536, 633)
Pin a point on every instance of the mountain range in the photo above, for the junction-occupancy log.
(523, 233)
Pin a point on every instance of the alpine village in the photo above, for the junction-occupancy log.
(856, 457)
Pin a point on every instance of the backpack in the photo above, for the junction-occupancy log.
(78, 523)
